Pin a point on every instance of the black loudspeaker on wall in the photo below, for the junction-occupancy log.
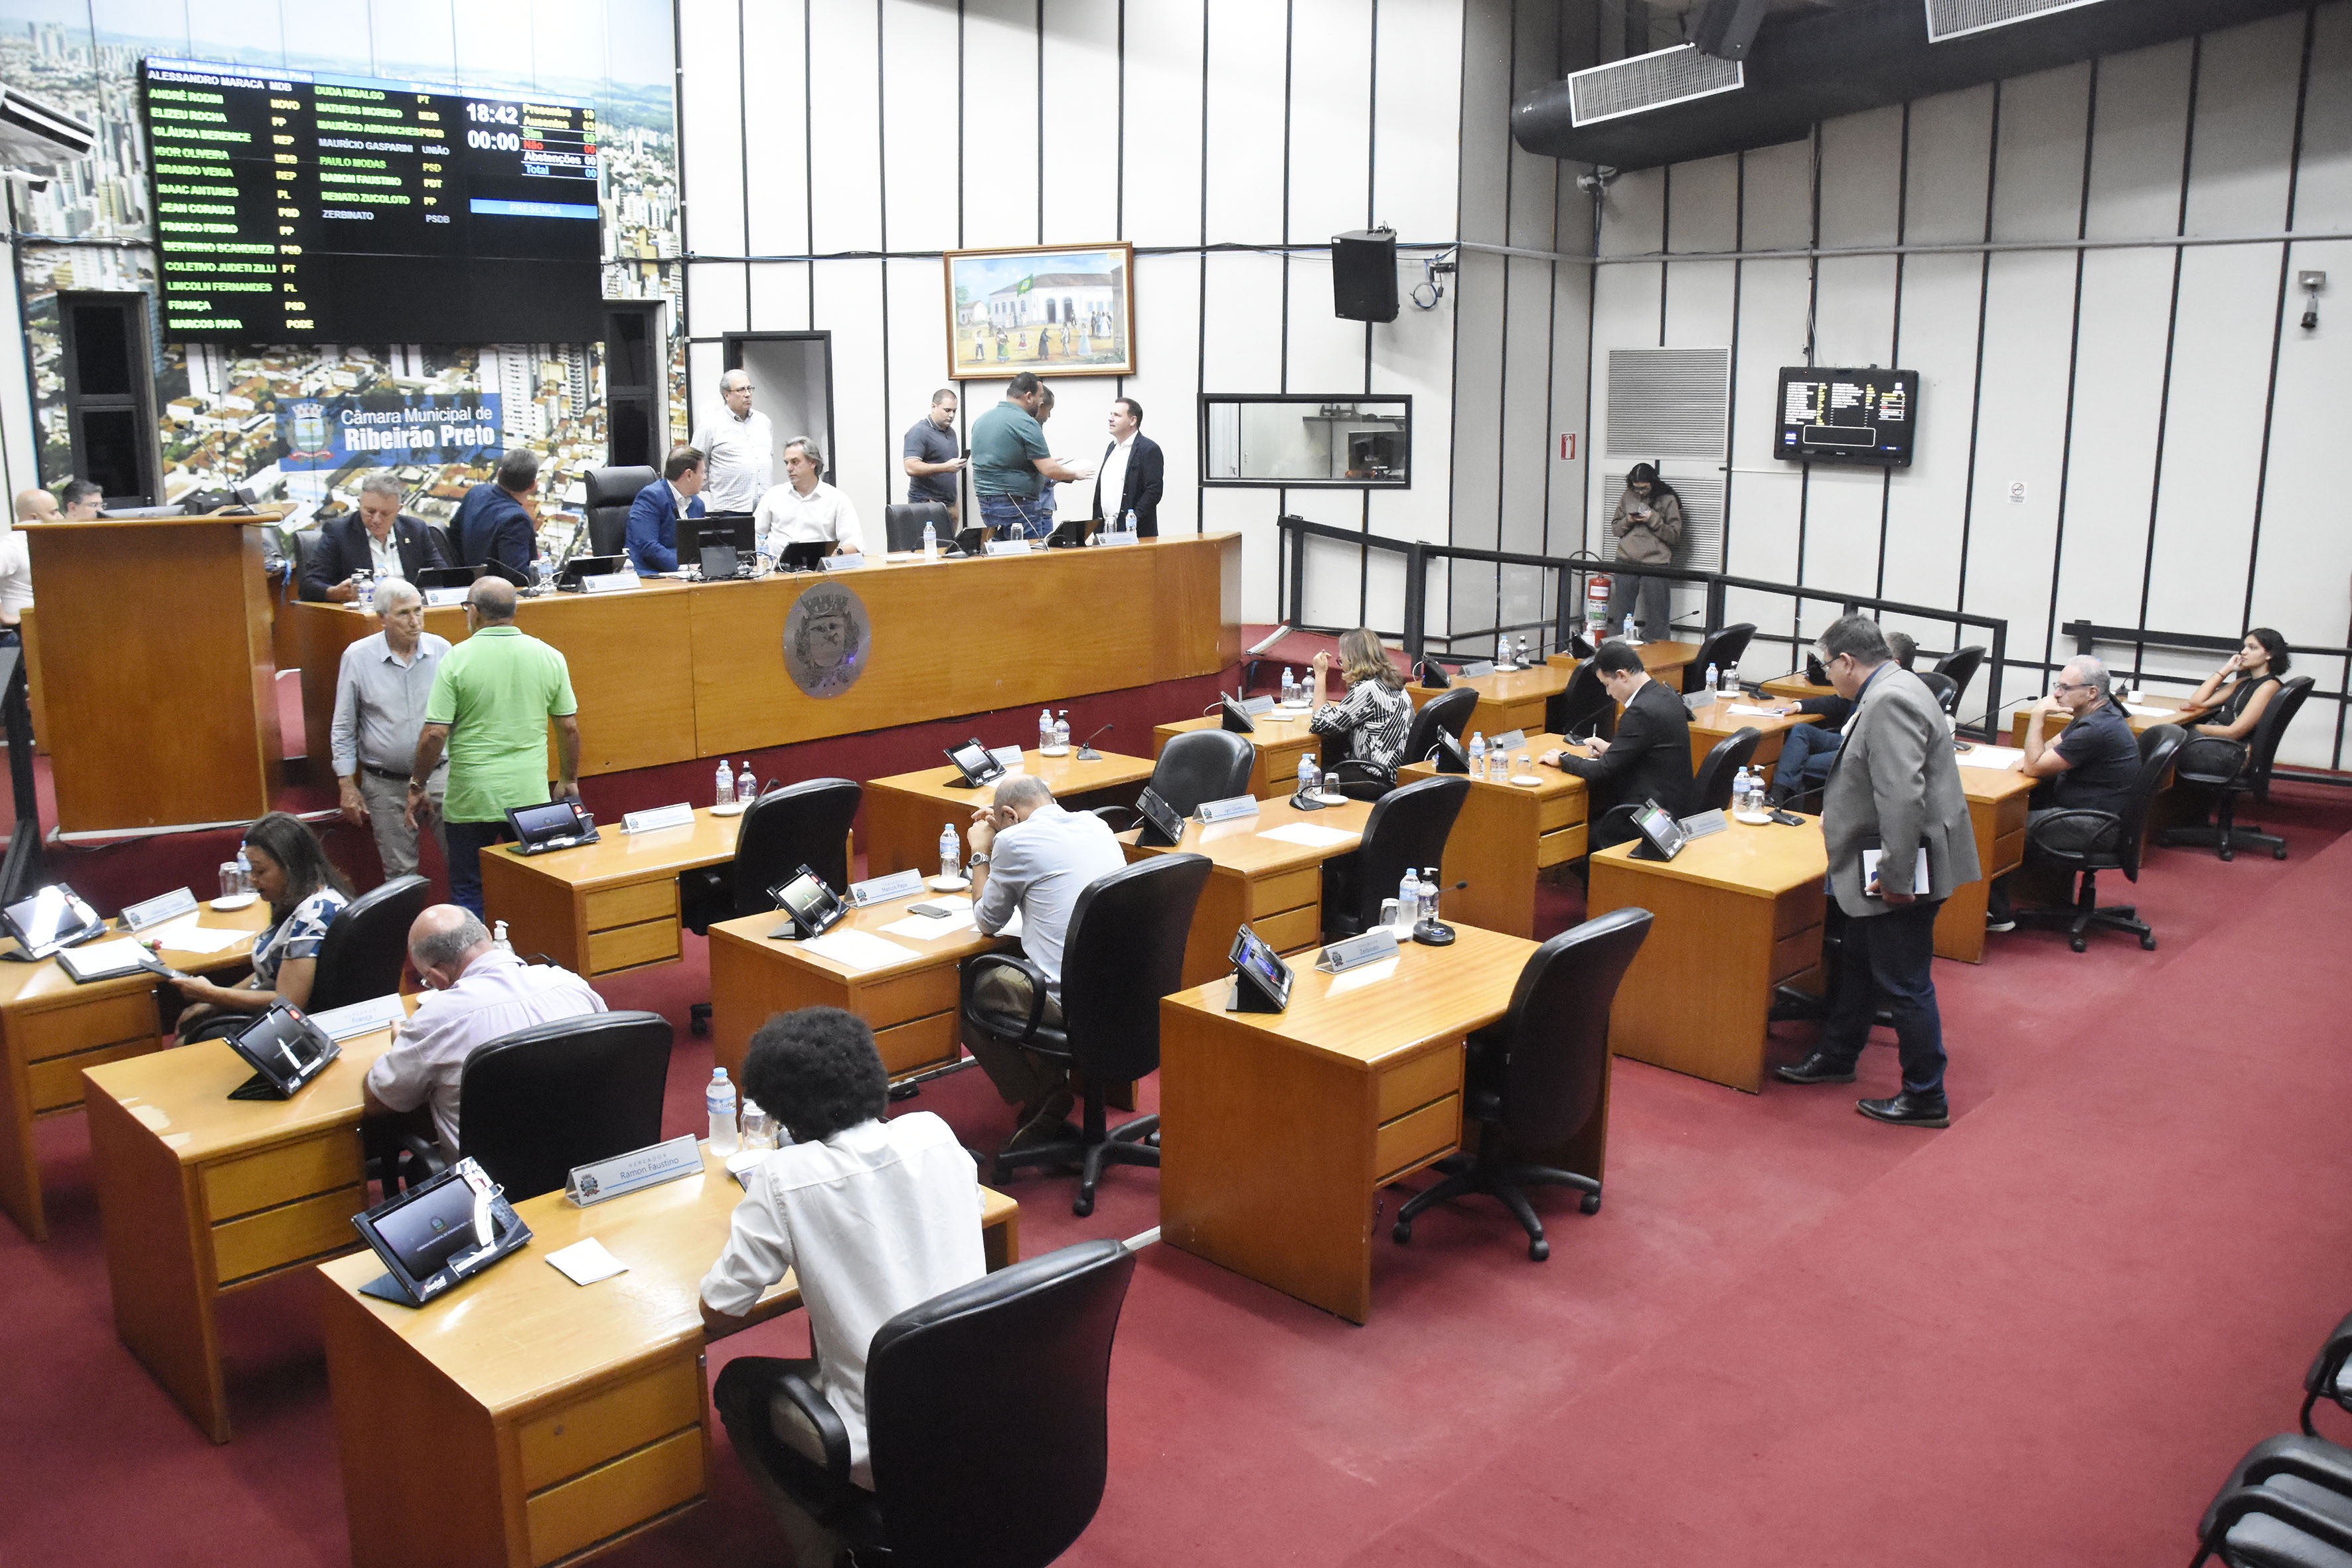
(1363, 275)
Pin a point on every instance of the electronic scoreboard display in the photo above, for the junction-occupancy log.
(295, 208)
(1853, 417)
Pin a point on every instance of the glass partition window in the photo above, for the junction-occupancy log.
(1300, 439)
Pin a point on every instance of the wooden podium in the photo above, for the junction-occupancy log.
(150, 653)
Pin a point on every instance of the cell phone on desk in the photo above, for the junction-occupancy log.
(930, 912)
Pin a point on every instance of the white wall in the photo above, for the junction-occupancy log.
(2197, 485)
(1011, 122)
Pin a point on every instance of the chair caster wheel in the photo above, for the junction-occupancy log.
(1538, 1249)
(1591, 1204)
(2077, 943)
(2229, 855)
(697, 1025)
(2279, 854)
(2148, 943)
(1402, 1232)
(1083, 1204)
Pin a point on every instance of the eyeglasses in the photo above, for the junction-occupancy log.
(2058, 686)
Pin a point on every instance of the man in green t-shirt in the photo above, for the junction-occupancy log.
(489, 707)
(1011, 462)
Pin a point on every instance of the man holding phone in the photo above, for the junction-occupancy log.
(1894, 794)
(932, 461)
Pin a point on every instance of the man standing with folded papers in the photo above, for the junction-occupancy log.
(1892, 794)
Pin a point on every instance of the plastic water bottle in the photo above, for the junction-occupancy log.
(726, 784)
(1712, 684)
(1519, 653)
(1429, 889)
(1477, 754)
(1062, 731)
(367, 592)
(1289, 686)
(1131, 529)
(244, 871)
(951, 854)
(720, 1100)
(1409, 900)
(1498, 763)
(1309, 776)
(1044, 729)
(930, 540)
(1730, 688)
(1740, 791)
(539, 572)
(747, 783)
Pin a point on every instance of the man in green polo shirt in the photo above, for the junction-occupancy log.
(1011, 462)
(490, 703)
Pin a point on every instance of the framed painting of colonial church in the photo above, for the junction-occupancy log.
(1056, 311)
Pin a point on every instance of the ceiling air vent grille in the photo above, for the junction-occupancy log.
(1669, 403)
(1650, 81)
(1948, 19)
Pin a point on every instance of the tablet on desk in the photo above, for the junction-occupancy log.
(52, 918)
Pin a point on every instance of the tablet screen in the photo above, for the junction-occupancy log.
(425, 1234)
(1658, 825)
(50, 915)
(537, 822)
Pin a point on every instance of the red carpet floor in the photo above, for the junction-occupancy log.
(1792, 1335)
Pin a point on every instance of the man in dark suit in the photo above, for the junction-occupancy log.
(376, 540)
(1893, 792)
(1132, 472)
(494, 522)
(1651, 757)
(653, 516)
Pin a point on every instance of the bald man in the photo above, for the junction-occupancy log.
(479, 993)
(492, 699)
(37, 506)
(17, 562)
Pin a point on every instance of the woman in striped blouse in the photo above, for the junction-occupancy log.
(1375, 713)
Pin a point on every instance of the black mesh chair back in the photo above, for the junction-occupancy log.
(902, 526)
(1724, 646)
(1407, 828)
(1556, 1036)
(1123, 950)
(445, 540)
(1960, 667)
(1947, 694)
(2261, 746)
(1449, 711)
(1583, 707)
(2156, 745)
(366, 947)
(1711, 791)
(533, 1105)
(1203, 765)
(806, 823)
(987, 1415)
(611, 493)
(305, 544)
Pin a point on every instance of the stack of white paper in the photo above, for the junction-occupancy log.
(586, 1262)
(1310, 835)
(858, 949)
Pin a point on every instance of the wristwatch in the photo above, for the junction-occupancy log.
(975, 860)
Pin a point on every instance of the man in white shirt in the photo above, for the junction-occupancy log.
(804, 510)
(16, 558)
(379, 692)
(871, 1217)
(481, 993)
(1131, 475)
(739, 444)
(1030, 855)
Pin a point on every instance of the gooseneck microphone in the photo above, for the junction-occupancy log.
(1087, 752)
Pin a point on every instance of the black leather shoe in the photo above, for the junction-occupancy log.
(1815, 1069)
(1908, 1109)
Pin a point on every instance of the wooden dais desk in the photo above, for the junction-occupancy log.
(1795, 686)
(607, 906)
(2164, 711)
(1507, 699)
(1271, 885)
(1665, 661)
(904, 812)
(1281, 738)
(1505, 835)
(1277, 1131)
(520, 1419)
(1712, 723)
(1739, 913)
(1996, 808)
(51, 1029)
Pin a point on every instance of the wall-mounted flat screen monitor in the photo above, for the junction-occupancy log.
(1852, 417)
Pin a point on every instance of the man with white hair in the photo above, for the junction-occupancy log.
(478, 993)
(379, 692)
(378, 541)
(804, 510)
(739, 448)
(2092, 764)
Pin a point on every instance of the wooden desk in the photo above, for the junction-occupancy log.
(912, 1007)
(1795, 686)
(1665, 661)
(1273, 886)
(1738, 912)
(1507, 699)
(201, 1195)
(904, 812)
(1997, 806)
(1505, 835)
(51, 1028)
(604, 907)
(2171, 710)
(1278, 742)
(523, 1419)
(1713, 723)
(677, 671)
(1278, 1130)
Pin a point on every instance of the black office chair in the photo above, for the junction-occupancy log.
(1947, 695)
(1195, 766)
(986, 1419)
(1719, 770)
(1407, 830)
(611, 492)
(2328, 1378)
(1722, 647)
(806, 823)
(2084, 843)
(1583, 707)
(1447, 713)
(1960, 667)
(366, 946)
(305, 544)
(2287, 1504)
(902, 526)
(546, 1099)
(1534, 1080)
(1123, 952)
(2205, 766)
(445, 541)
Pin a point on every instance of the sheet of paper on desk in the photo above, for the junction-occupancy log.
(1995, 757)
(858, 949)
(1310, 835)
(356, 1018)
(184, 935)
(2149, 712)
(586, 1262)
(925, 928)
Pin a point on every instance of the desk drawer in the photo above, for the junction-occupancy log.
(926, 1042)
(616, 1497)
(1558, 849)
(1292, 928)
(610, 907)
(585, 1433)
(654, 942)
(1417, 1138)
(917, 995)
(1797, 909)
(276, 1176)
(276, 1238)
(1560, 811)
(2008, 853)
(62, 1030)
(1291, 891)
(1796, 953)
(1413, 1084)
(56, 1084)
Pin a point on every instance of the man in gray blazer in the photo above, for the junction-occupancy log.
(1893, 787)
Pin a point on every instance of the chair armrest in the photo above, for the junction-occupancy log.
(1120, 818)
(974, 967)
(2319, 1382)
(2237, 1504)
(1356, 772)
(2314, 1459)
(2070, 836)
(822, 1416)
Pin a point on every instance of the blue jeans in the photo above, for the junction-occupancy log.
(1014, 517)
(467, 842)
(1888, 958)
(1805, 758)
